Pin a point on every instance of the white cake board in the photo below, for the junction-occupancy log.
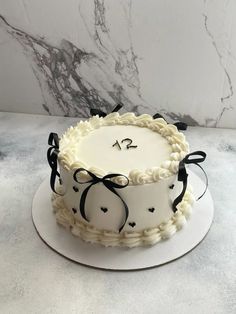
(94, 255)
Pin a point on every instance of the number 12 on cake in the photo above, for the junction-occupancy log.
(128, 145)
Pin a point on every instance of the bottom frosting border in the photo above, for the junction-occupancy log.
(147, 237)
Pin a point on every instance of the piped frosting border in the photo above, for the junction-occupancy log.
(147, 237)
(69, 148)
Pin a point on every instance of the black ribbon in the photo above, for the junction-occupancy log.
(180, 125)
(183, 175)
(52, 154)
(103, 114)
(110, 185)
(157, 116)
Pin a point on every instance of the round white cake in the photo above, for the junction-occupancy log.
(118, 178)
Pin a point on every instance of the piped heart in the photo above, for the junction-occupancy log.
(151, 209)
(132, 224)
(171, 186)
(74, 210)
(104, 209)
(75, 189)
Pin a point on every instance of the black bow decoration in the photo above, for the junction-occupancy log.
(180, 125)
(103, 114)
(52, 154)
(183, 175)
(110, 185)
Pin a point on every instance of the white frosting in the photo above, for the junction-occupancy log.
(97, 149)
(145, 237)
(89, 145)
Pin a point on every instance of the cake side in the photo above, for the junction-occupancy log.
(131, 239)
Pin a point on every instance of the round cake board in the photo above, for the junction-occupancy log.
(116, 258)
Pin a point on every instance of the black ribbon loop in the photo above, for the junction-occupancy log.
(103, 114)
(157, 116)
(52, 154)
(180, 125)
(183, 175)
(110, 185)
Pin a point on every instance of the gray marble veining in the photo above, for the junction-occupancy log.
(36, 280)
(58, 70)
(148, 55)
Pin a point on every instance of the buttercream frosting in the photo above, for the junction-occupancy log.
(70, 150)
(147, 237)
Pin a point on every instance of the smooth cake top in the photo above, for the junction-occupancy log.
(140, 147)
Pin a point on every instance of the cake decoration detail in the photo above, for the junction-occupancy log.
(158, 116)
(118, 144)
(171, 186)
(104, 209)
(75, 188)
(151, 209)
(180, 125)
(128, 146)
(183, 175)
(52, 156)
(74, 210)
(103, 114)
(132, 224)
(108, 183)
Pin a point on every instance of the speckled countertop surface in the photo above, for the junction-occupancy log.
(34, 279)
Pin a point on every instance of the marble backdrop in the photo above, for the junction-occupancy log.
(173, 57)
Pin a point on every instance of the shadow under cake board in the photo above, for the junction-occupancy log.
(120, 258)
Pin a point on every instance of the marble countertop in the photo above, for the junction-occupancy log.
(35, 279)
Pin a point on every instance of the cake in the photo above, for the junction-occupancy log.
(122, 179)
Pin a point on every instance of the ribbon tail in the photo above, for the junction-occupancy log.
(53, 180)
(117, 108)
(125, 207)
(52, 160)
(82, 201)
(52, 154)
(126, 215)
(183, 176)
(205, 183)
(180, 197)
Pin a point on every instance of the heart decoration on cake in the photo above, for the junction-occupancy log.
(132, 224)
(151, 209)
(104, 209)
(74, 210)
(171, 186)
